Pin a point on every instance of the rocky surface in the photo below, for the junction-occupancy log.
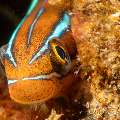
(96, 28)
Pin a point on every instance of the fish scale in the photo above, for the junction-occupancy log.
(35, 69)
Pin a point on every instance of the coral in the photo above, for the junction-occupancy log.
(54, 116)
(96, 28)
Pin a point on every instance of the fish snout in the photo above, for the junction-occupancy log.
(33, 91)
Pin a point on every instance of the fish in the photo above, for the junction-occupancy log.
(40, 54)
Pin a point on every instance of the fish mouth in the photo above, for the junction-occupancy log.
(35, 89)
(39, 77)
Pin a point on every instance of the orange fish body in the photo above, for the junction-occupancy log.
(39, 55)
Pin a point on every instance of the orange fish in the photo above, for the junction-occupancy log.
(40, 54)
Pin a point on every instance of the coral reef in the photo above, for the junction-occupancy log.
(96, 28)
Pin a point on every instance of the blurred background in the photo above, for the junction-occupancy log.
(11, 12)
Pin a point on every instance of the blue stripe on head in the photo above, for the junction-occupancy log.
(33, 24)
(33, 4)
(40, 12)
(60, 28)
(39, 77)
(11, 81)
(11, 42)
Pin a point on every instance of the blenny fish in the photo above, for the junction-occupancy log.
(39, 56)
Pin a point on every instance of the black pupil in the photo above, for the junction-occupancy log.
(60, 51)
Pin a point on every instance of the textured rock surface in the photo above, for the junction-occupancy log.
(96, 28)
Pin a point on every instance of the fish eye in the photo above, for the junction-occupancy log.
(60, 52)
(59, 57)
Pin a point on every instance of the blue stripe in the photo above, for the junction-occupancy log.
(11, 81)
(61, 27)
(33, 24)
(32, 6)
(39, 77)
(9, 53)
